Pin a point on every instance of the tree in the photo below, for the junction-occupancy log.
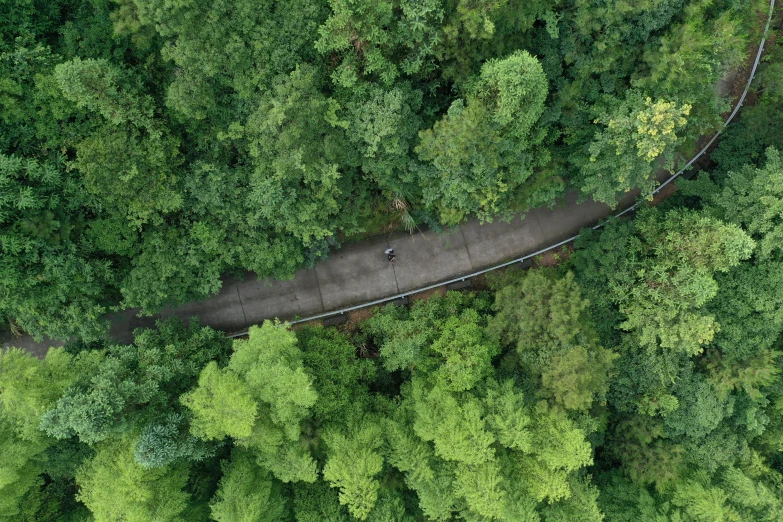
(352, 465)
(752, 198)
(664, 280)
(318, 503)
(484, 149)
(57, 282)
(133, 173)
(101, 87)
(247, 493)
(303, 165)
(692, 55)
(151, 374)
(466, 353)
(472, 30)
(383, 127)
(625, 154)
(544, 317)
(456, 428)
(132, 143)
(28, 387)
(254, 41)
(115, 487)
(166, 441)
(380, 40)
(272, 395)
(541, 310)
(405, 337)
(221, 405)
(577, 376)
(749, 309)
(340, 378)
(690, 248)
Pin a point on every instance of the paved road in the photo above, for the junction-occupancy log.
(359, 272)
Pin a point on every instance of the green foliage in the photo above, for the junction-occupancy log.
(746, 140)
(161, 364)
(665, 278)
(302, 163)
(541, 310)
(199, 138)
(626, 153)
(221, 405)
(101, 87)
(466, 353)
(254, 41)
(260, 399)
(380, 40)
(405, 337)
(115, 487)
(456, 428)
(544, 316)
(749, 310)
(318, 502)
(131, 171)
(149, 148)
(752, 198)
(168, 441)
(352, 466)
(339, 377)
(383, 125)
(130, 162)
(29, 387)
(484, 149)
(50, 284)
(702, 45)
(247, 493)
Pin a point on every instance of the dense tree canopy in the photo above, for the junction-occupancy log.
(565, 394)
(150, 147)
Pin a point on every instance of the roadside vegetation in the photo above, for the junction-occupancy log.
(149, 147)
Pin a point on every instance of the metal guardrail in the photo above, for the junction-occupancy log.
(572, 238)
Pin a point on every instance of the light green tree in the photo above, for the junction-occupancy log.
(221, 405)
(353, 463)
(465, 353)
(247, 493)
(115, 487)
(29, 387)
(272, 396)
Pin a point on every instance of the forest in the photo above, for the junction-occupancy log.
(150, 147)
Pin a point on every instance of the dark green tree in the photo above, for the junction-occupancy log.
(52, 282)
(483, 152)
(543, 316)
